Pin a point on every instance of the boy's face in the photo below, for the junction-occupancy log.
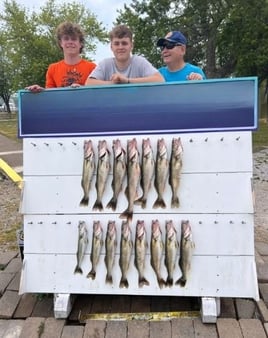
(70, 44)
(121, 48)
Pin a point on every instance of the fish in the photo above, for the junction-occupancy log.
(133, 178)
(81, 245)
(102, 173)
(126, 246)
(110, 247)
(157, 250)
(119, 172)
(88, 171)
(171, 248)
(147, 171)
(97, 242)
(141, 246)
(175, 170)
(161, 173)
(186, 251)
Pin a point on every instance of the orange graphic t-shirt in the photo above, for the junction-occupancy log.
(60, 74)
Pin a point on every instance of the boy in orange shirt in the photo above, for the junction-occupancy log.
(72, 70)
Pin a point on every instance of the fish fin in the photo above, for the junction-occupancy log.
(159, 203)
(126, 215)
(78, 270)
(112, 204)
(181, 281)
(91, 274)
(98, 205)
(109, 279)
(143, 281)
(84, 202)
(123, 283)
(175, 203)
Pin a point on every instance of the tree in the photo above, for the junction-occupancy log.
(28, 42)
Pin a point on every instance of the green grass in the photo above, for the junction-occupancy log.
(9, 128)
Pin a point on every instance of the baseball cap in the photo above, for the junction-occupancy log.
(173, 37)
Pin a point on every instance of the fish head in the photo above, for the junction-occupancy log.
(140, 229)
(111, 228)
(88, 149)
(161, 147)
(146, 146)
(132, 149)
(177, 146)
(186, 230)
(156, 230)
(170, 229)
(97, 228)
(117, 148)
(102, 148)
(125, 229)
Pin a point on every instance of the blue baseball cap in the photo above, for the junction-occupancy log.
(173, 37)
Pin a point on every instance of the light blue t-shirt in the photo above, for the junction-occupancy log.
(182, 74)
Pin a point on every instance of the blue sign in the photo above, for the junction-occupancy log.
(192, 106)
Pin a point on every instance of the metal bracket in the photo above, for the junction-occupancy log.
(210, 309)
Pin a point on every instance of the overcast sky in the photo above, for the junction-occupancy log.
(105, 10)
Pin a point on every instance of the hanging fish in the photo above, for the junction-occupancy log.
(110, 247)
(88, 171)
(175, 170)
(81, 246)
(171, 248)
(126, 246)
(97, 242)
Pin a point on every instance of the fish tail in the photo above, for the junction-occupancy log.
(141, 201)
(161, 282)
(84, 201)
(123, 283)
(109, 279)
(112, 204)
(175, 203)
(169, 281)
(181, 281)
(98, 205)
(143, 281)
(159, 203)
(78, 270)
(92, 274)
(127, 215)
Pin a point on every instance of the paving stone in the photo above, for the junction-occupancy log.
(3, 327)
(227, 308)
(14, 328)
(72, 331)
(265, 325)
(95, 328)
(204, 330)
(14, 266)
(53, 328)
(182, 328)
(262, 272)
(160, 329)
(33, 327)
(228, 328)
(258, 258)
(252, 328)
(116, 329)
(44, 307)
(14, 285)
(245, 308)
(263, 311)
(25, 306)
(262, 248)
(8, 304)
(263, 287)
(138, 326)
(5, 279)
(6, 257)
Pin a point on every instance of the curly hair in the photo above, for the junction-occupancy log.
(120, 31)
(70, 29)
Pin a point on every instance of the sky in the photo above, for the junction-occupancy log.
(105, 11)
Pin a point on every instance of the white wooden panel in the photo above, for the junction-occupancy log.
(199, 193)
(228, 234)
(214, 276)
(203, 152)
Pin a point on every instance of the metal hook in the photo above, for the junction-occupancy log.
(222, 138)
(206, 139)
(61, 144)
(238, 138)
(33, 144)
(46, 144)
(74, 143)
(191, 140)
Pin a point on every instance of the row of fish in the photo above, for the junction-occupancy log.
(158, 249)
(139, 172)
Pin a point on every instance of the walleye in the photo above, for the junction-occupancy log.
(110, 246)
(157, 248)
(81, 245)
(141, 246)
(171, 248)
(102, 173)
(126, 246)
(186, 252)
(119, 172)
(147, 171)
(88, 170)
(161, 173)
(133, 177)
(175, 170)
(97, 243)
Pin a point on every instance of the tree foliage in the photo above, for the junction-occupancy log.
(226, 37)
(28, 43)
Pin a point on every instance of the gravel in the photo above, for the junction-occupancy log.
(11, 219)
